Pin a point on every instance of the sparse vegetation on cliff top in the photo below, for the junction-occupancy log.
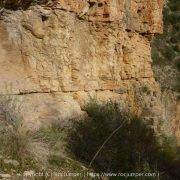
(166, 49)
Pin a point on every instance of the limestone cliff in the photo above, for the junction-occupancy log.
(53, 59)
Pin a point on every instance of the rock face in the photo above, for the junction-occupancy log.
(53, 60)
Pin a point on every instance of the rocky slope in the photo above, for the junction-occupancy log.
(54, 59)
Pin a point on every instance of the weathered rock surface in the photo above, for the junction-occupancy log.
(53, 60)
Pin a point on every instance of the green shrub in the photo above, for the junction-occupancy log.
(132, 147)
(56, 160)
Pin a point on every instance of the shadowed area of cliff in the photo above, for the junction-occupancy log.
(110, 140)
(21, 4)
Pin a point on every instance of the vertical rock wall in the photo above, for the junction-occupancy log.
(53, 60)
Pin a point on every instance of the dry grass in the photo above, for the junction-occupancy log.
(18, 143)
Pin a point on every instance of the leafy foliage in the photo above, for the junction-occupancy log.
(133, 148)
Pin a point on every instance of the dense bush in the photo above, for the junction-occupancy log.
(131, 144)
